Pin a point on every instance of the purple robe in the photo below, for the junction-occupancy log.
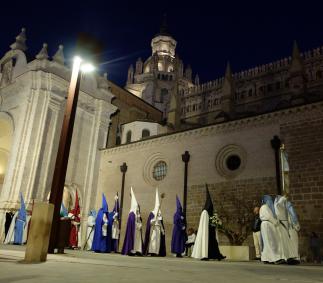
(179, 235)
(128, 243)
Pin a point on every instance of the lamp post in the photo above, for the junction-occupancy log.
(123, 169)
(57, 188)
(185, 158)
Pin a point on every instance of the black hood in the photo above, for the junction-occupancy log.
(208, 203)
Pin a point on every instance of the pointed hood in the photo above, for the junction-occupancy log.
(178, 205)
(134, 203)
(157, 203)
(208, 203)
(104, 203)
(267, 199)
(22, 214)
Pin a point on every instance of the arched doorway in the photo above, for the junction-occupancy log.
(6, 133)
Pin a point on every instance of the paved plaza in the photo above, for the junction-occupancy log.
(79, 266)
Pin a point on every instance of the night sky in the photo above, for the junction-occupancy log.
(209, 33)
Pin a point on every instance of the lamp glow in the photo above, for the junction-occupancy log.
(87, 68)
(77, 59)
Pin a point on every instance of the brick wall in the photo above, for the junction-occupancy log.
(251, 189)
(304, 144)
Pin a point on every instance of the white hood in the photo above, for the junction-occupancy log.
(157, 203)
(134, 203)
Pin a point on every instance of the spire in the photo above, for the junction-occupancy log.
(296, 53)
(297, 62)
(59, 55)
(228, 73)
(42, 53)
(227, 84)
(19, 44)
(197, 79)
(164, 27)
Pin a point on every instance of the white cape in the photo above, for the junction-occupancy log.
(201, 246)
(90, 232)
(271, 250)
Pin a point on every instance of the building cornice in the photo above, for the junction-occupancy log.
(309, 110)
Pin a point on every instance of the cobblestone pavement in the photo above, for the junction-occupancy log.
(79, 266)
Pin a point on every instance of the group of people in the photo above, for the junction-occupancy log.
(275, 231)
(17, 224)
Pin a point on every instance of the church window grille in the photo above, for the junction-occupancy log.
(160, 170)
(128, 137)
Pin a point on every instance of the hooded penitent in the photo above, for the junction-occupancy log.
(206, 245)
(75, 217)
(294, 228)
(20, 222)
(179, 234)
(90, 229)
(158, 242)
(133, 239)
(114, 216)
(102, 233)
(271, 249)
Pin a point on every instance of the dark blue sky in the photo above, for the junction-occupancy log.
(208, 33)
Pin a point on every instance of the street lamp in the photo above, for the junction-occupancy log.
(56, 194)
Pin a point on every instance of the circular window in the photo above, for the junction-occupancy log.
(233, 162)
(160, 170)
(230, 161)
(156, 168)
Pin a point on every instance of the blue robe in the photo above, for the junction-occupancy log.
(20, 223)
(101, 244)
(128, 243)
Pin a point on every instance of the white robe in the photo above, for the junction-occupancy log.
(271, 250)
(201, 245)
(293, 232)
(90, 232)
(155, 236)
(283, 228)
(137, 247)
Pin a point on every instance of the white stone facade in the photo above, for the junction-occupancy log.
(32, 103)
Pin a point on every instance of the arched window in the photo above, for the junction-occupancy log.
(319, 74)
(145, 133)
(128, 137)
(118, 140)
